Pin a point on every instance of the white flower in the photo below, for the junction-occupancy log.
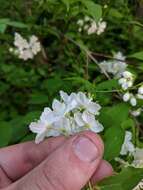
(80, 29)
(44, 127)
(126, 97)
(80, 22)
(26, 50)
(91, 26)
(69, 100)
(20, 42)
(133, 101)
(138, 158)
(63, 126)
(119, 56)
(139, 186)
(140, 93)
(140, 96)
(85, 103)
(34, 45)
(87, 121)
(130, 97)
(115, 67)
(25, 54)
(101, 27)
(140, 90)
(127, 80)
(74, 113)
(87, 18)
(92, 29)
(127, 146)
(137, 112)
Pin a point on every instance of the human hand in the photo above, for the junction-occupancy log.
(61, 163)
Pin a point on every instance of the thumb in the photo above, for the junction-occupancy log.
(69, 167)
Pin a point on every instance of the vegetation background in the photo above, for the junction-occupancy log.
(68, 61)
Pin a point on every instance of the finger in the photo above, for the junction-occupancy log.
(4, 180)
(104, 170)
(19, 159)
(68, 167)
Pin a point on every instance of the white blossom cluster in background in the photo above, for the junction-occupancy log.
(126, 82)
(118, 69)
(74, 113)
(129, 148)
(91, 26)
(25, 49)
(116, 66)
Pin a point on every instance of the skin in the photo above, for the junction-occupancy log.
(59, 163)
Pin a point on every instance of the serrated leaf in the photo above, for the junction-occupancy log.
(125, 180)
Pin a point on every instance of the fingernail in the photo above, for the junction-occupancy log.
(85, 149)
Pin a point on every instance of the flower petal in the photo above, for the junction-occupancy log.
(36, 127)
(40, 137)
(79, 120)
(94, 108)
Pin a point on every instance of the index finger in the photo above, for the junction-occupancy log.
(19, 159)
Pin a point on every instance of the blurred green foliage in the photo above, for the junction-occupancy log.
(27, 87)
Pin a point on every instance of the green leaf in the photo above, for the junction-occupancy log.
(29, 137)
(4, 22)
(52, 85)
(38, 98)
(107, 85)
(138, 55)
(2, 27)
(20, 125)
(125, 180)
(93, 9)
(129, 123)
(67, 3)
(5, 133)
(31, 116)
(115, 13)
(19, 129)
(17, 24)
(113, 139)
(115, 115)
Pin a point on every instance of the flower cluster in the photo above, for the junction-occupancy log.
(126, 80)
(74, 113)
(129, 148)
(91, 26)
(131, 98)
(116, 66)
(25, 49)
